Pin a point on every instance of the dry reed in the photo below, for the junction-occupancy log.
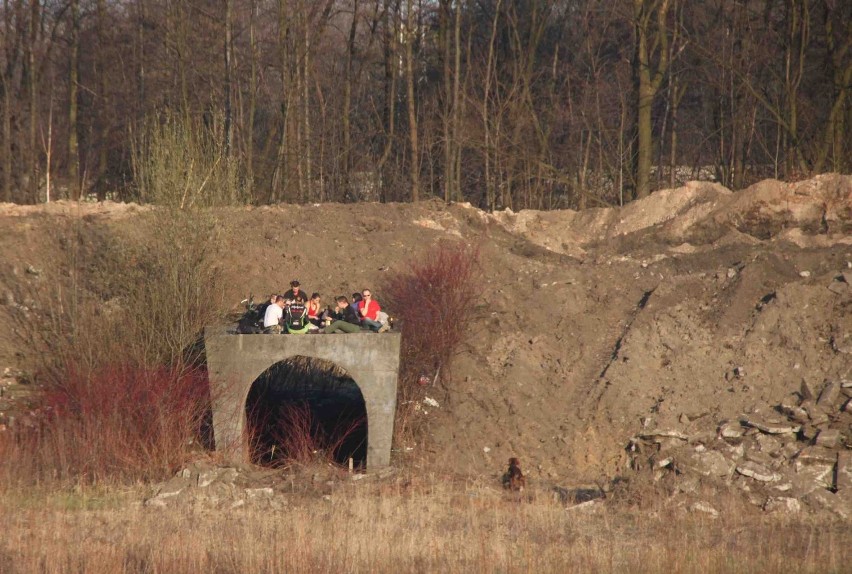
(436, 526)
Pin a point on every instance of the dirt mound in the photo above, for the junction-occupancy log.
(695, 302)
(699, 213)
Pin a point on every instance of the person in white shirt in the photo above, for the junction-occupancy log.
(273, 315)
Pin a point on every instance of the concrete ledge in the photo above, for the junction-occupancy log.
(236, 361)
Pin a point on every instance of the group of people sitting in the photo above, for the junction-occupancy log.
(295, 313)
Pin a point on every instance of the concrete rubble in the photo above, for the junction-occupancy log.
(207, 485)
(795, 458)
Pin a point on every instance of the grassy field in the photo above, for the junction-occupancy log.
(394, 526)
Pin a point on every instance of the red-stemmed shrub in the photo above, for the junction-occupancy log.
(114, 336)
(116, 422)
(433, 300)
(298, 436)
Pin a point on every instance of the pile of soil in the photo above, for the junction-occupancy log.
(592, 325)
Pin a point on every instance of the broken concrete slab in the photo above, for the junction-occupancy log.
(808, 390)
(795, 413)
(757, 472)
(816, 413)
(835, 503)
(809, 432)
(782, 504)
(659, 434)
(767, 444)
(771, 427)
(843, 471)
(830, 393)
(828, 438)
(816, 455)
(731, 429)
(811, 477)
(708, 463)
(760, 458)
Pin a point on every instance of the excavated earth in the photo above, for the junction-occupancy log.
(699, 337)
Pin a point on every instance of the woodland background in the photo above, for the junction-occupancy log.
(503, 103)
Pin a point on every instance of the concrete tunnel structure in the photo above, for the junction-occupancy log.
(235, 362)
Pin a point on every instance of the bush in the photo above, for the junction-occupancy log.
(146, 301)
(433, 300)
(118, 421)
(182, 163)
(114, 334)
(299, 437)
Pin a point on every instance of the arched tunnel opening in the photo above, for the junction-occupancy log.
(303, 410)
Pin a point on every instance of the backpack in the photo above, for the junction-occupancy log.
(296, 315)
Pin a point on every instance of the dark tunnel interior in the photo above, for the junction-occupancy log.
(303, 410)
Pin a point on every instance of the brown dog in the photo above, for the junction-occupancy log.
(514, 478)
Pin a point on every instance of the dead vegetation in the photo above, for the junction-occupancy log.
(404, 523)
(112, 337)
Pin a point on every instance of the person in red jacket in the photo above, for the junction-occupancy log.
(368, 310)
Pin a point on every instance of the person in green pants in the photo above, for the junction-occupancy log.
(345, 318)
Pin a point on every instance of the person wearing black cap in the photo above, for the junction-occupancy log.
(296, 293)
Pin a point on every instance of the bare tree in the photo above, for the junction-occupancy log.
(837, 26)
(652, 62)
(73, 78)
(410, 37)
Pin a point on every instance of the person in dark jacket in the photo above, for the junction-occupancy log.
(296, 293)
(345, 318)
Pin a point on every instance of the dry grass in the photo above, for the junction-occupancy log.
(435, 526)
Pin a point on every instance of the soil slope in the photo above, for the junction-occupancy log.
(695, 303)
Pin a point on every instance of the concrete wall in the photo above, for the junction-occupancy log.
(236, 361)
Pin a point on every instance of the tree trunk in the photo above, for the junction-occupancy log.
(140, 71)
(31, 84)
(652, 41)
(835, 137)
(390, 55)
(73, 72)
(676, 96)
(280, 179)
(444, 34)
(410, 36)
(456, 194)
(7, 141)
(5, 101)
(347, 100)
(228, 48)
(249, 128)
(101, 183)
(798, 38)
(306, 119)
(490, 188)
